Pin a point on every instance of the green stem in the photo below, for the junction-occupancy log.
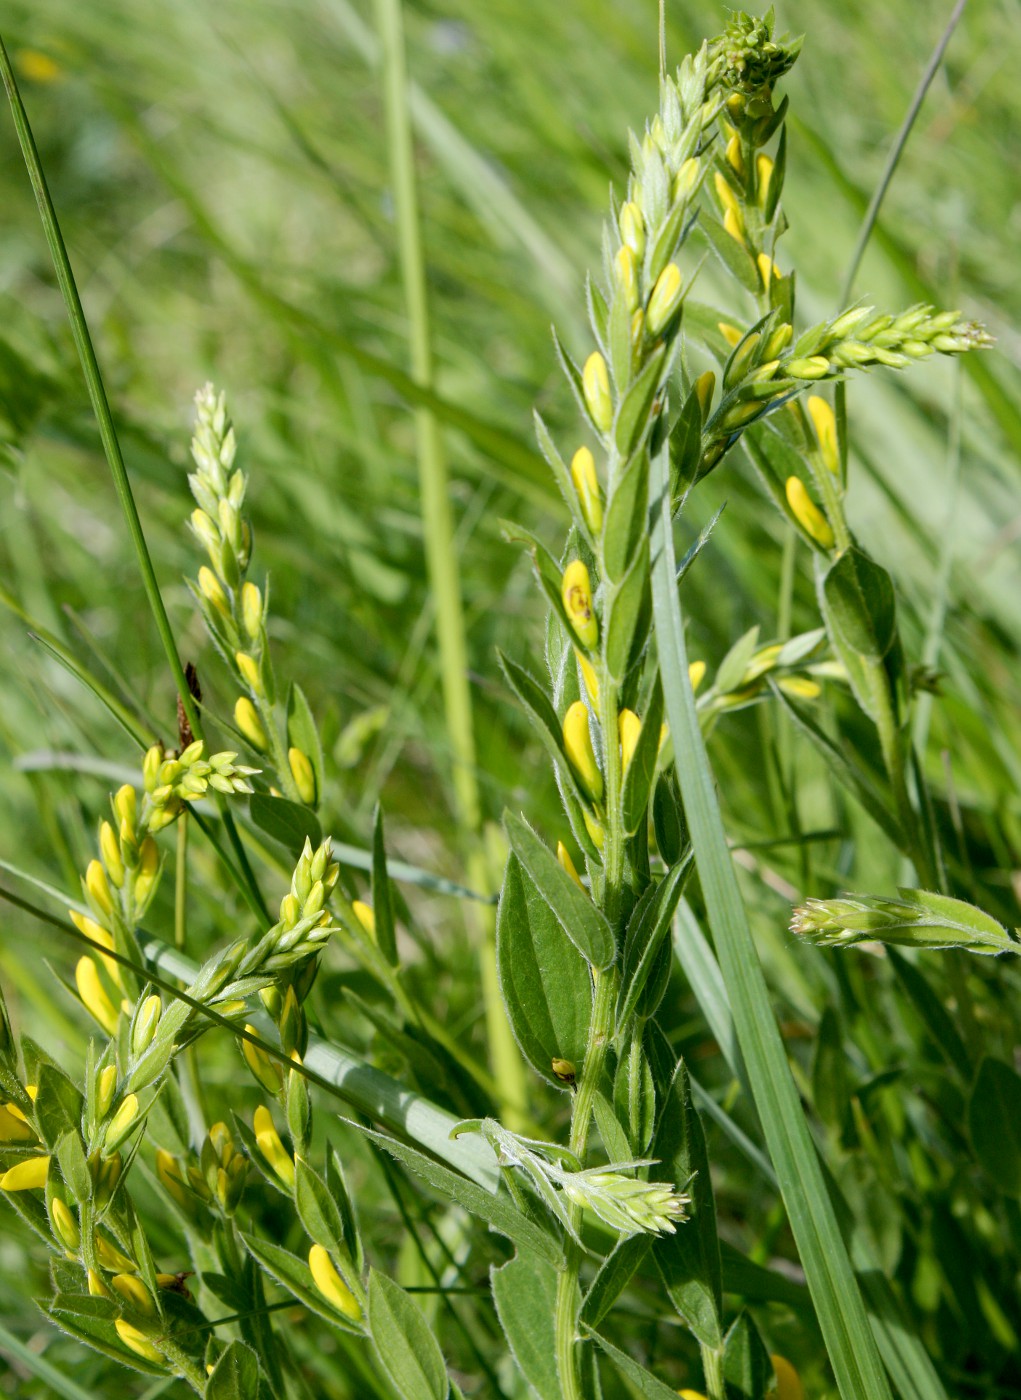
(181, 883)
(712, 1366)
(891, 743)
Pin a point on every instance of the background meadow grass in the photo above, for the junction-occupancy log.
(222, 178)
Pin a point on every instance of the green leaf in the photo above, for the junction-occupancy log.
(320, 1214)
(746, 1365)
(235, 1376)
(849, 1341)
(994, 1122)
(615, 1273)
(618, 341)
(74, 1167)
(686, 446)
(543, 716)
(303, 733)
(634, 1099)
(733, 255)
(689, 1259)
(615, 1140)
(731, 670)
(562, 476)
(860, 604)
(544, 979)
(58, 1104)
(382, 894)
(625, 520)
(641, 770)
(584, 924)
(830, 1095)
(290, 823)
(647, 1385)
(497, 1211)
(633, 419)
(668, 819)
(525, 1291)
(408, 1352)
(646, 934)
(935, 1017)
(627, 616)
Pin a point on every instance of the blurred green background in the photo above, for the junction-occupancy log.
(221, 175)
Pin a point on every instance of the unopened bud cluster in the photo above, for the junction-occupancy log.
(173, 781)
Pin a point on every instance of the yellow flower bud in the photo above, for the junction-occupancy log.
(588, 675)
(147, 1021)
(111, 1259)
(366, 917)
(580, 754)
(637, 332)
(814, 367)
(93, 995)
(576, 593)
(629, 727)
(632, 228)
(251, 610)
(110, 850)
(148, 872)
(767, 269)
(596, 834)
(106, 1086)
(595, 383)
(627, 276)
(135, 1294)
(64, 1224)
(303, 775)
(98, 886)
(788, 1382)
(705, 387)
(691, 1394)
(764, 177)
(97, 1288)
(586, 483)
(686, 178)
(246, 717)
(170, 1176)
(727, 197)
(122, 1122)
(825, 424)
(730, 333)
(735, 159)
(665, 299)
(778, 340)
(212, 591)
(29, 1175)
(331, 1285)
(800, 687)
(98, 935)
(266, 1071)
(272, 1148)
(734, 225)
(136, 1341)
(564, 857)
(807, 513)
(248, 669)
(13, 1127)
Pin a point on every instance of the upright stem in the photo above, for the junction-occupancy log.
(712, 1366)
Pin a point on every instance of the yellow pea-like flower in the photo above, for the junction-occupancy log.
(801, 687)
(626, 269)
(696, 674)
(251, 610)
(266, 1071)
(106, 1086)
(93, 995)
(135, 1294)
(727, 197)
(767, 269)
(272, 1148)
(825, 424)
(588, 675)
(248, 669)
(303, 774)
(580, 754)
(29, 1175)
(734, 225)
(807, 513)
(331, 1285)
(788, 1382)
(136, 1341)
(629, 727)
(730, 333)
(246, 717)
(576, 593)
(111, 1259)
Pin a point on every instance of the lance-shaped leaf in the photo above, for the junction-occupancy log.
(646, 934)
(407, 1349)
(525, 1292)
(626, 513)
(584, 924)
(746, 1365)
(860, 604)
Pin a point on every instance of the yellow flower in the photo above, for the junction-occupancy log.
(665, 299)
(825, 424)
(788, 1382)
(136, 1340)
(272, 1148)
(629, 726)
(807, 513)
(93, 995)
(580, 754)
(576, 593)
(586, 483)
(29, 1175)
(331, 1285)
(303, 775)
(564, 857)
(595, 383)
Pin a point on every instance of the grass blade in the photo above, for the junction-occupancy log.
(838, 1303)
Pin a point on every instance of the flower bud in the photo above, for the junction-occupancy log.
(778, 340)
(596, 833)
(564, 857)
(97, 887)
(800, 687)
(65, 1227)
(137, 1341)
(586, 483)
(110, 1258)
(730, 333)
(272, 1148)
(13, 1127)
(93, 995)
(212, 590)
(686, 178)
(734, 225)
(246, 717)
(632, 228)
(825, 424)
(814, 367)
(629, 727)
(595, 383)
(106, 1087)
(588, 675)
(576, 593)
(764, 178)
(665, 299)
(705, 387)
(735, 159)
(110, 850)
(251, 610)
(135, 1294)
(331, 1285)
(365, 916)
(807, 513)
(29, 1175)
(788, 1382)
(98, 935)
(266, 1070)
(767, 269)
(146, 1022)
(248, 669)
(121, 1123)
(580, 754)
(626, 271)
(303, 775)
